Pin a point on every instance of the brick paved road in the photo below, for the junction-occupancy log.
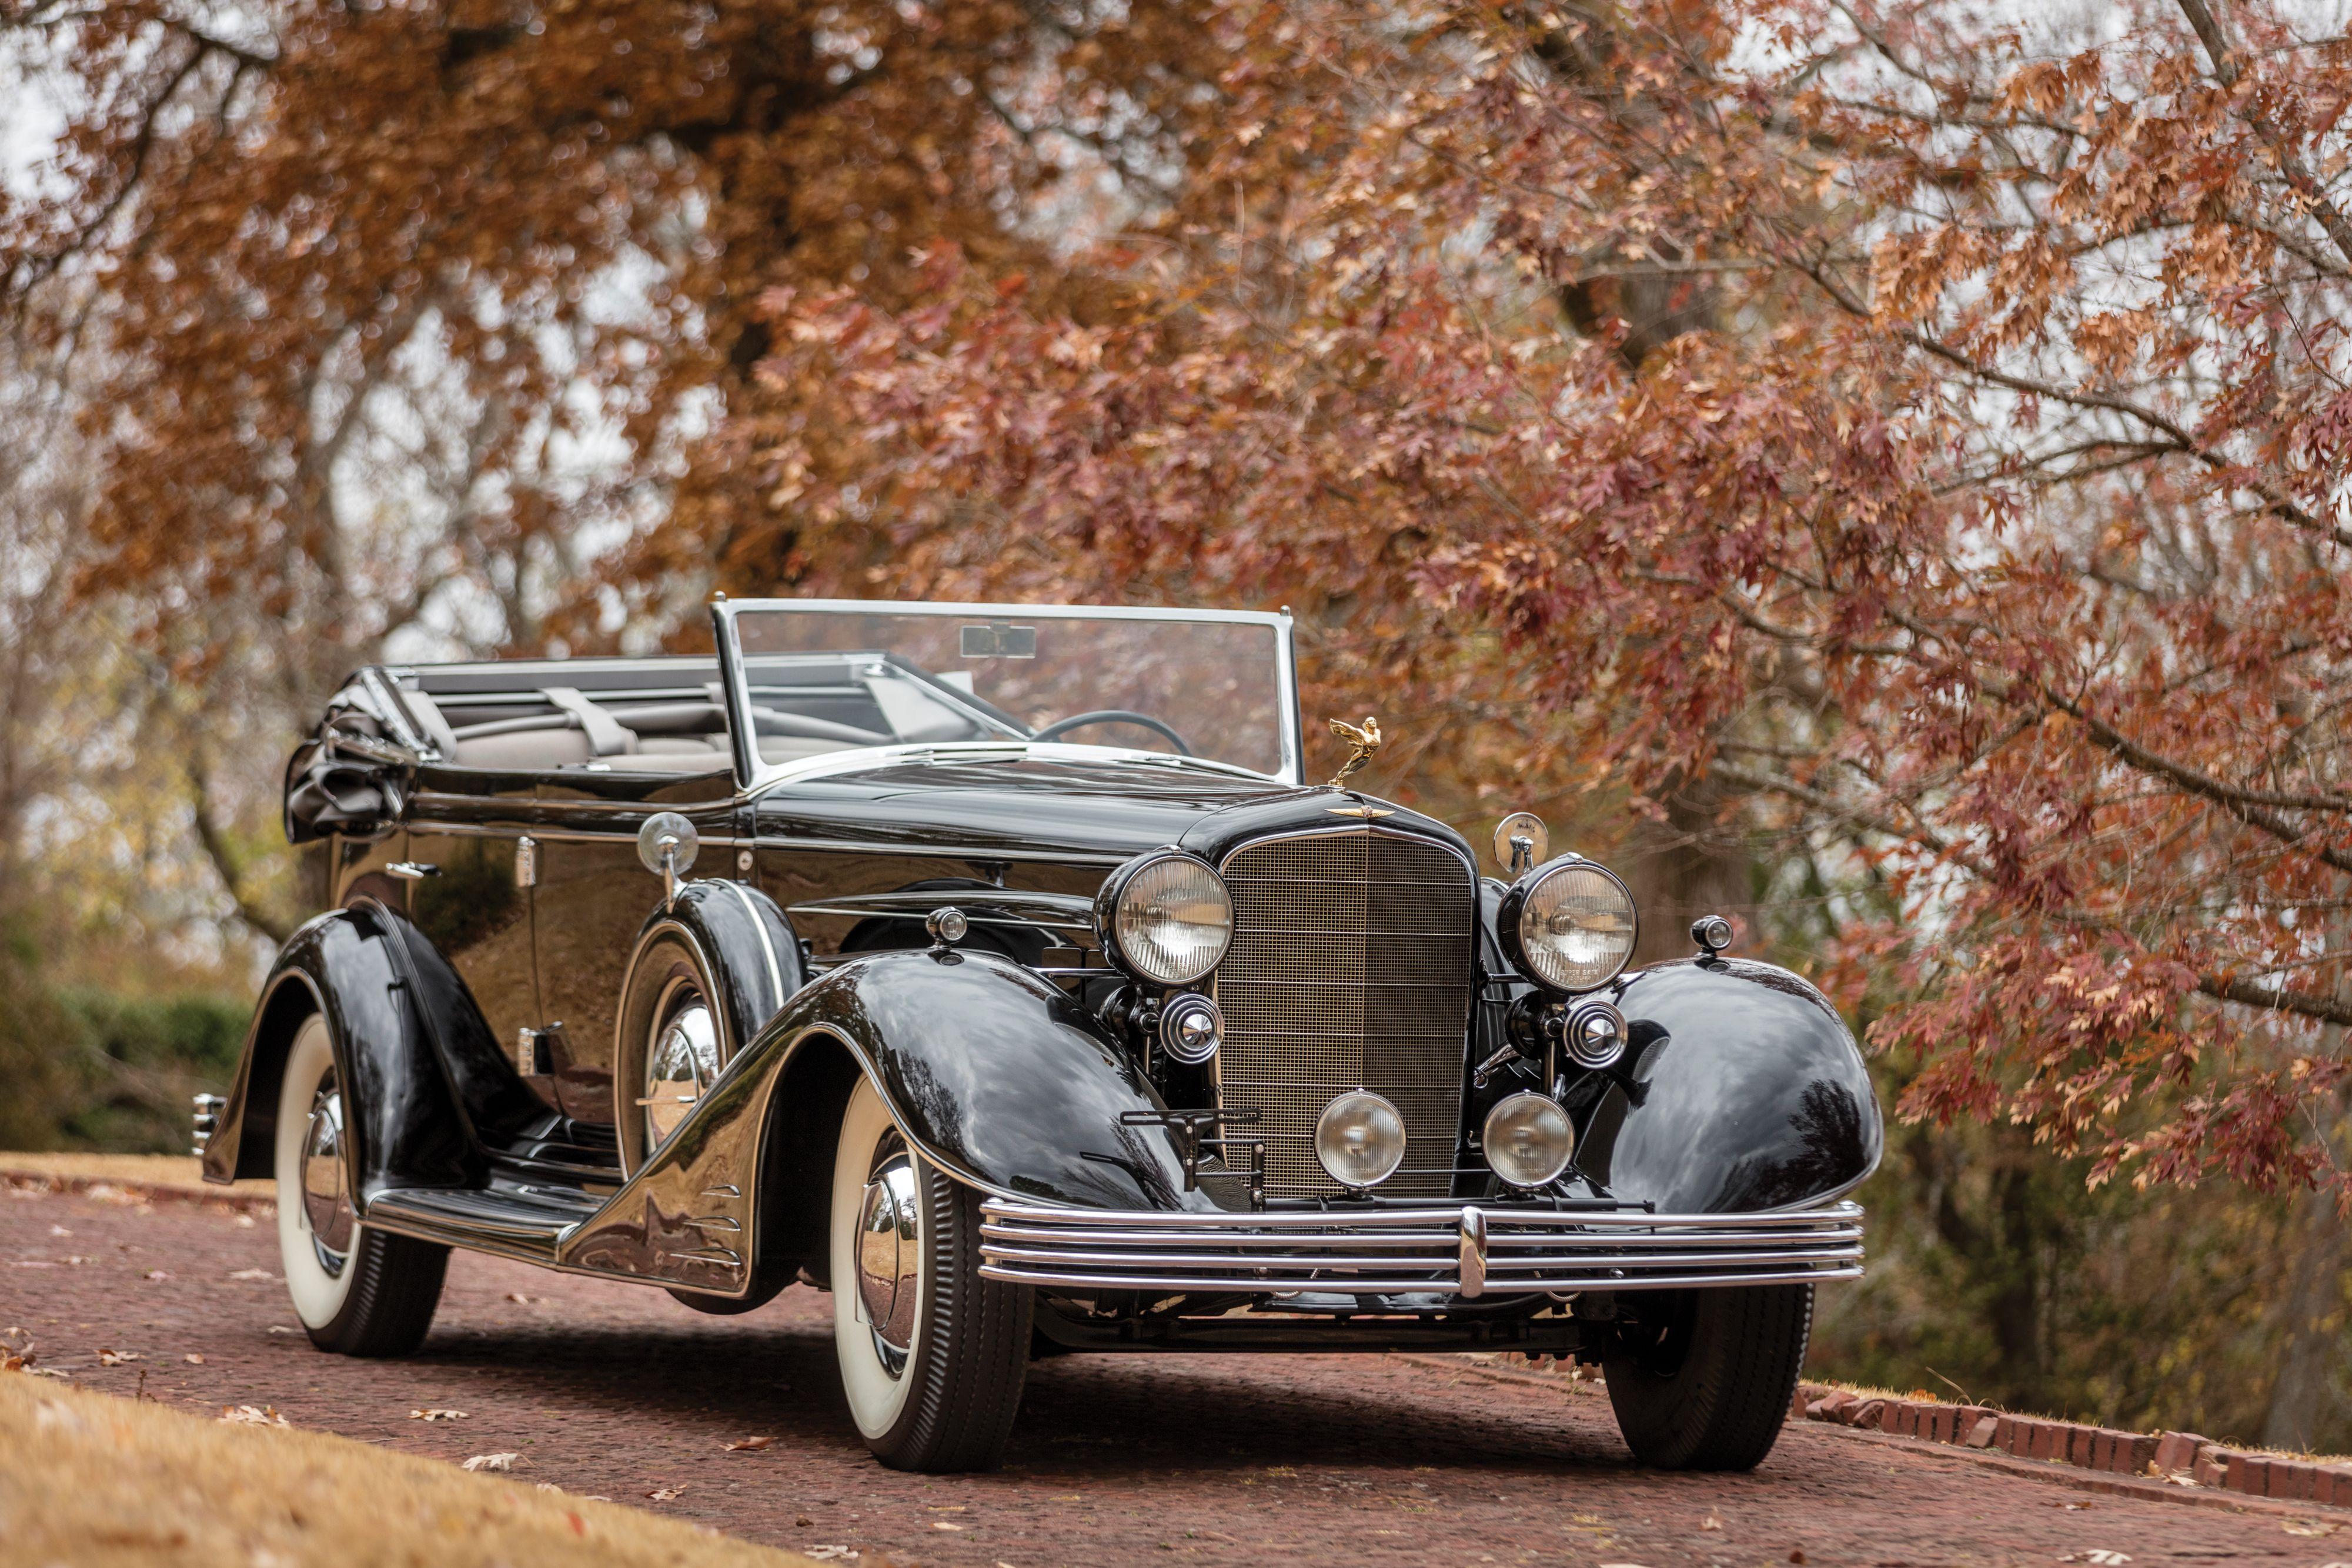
(616, 1390)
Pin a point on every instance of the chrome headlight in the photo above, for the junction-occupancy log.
(1569, 926)
(1166, 918)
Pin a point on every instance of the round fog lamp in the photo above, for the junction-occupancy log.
(1528, 1139)
(1359, 1139)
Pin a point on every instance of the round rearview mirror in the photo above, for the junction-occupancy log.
(1521, 843)
(666, 843)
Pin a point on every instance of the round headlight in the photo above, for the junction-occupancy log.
(1360, 1138)
(1528, 1139)
(1569, 926)
(1168, 919)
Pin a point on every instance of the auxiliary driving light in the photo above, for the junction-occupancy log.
(1528, 1139)
(1360, 1138)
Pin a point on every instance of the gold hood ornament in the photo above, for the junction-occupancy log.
(1364, 745)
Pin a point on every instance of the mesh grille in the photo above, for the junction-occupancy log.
(1349, 969)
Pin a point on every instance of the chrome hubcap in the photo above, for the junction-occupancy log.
(681, 1063)
(326, 1192)
(889, 1249)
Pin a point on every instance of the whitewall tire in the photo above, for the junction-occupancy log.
(932, 1357)
(357, 1291)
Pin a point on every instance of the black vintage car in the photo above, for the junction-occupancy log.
(1001, 970)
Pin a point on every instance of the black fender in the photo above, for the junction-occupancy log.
(752, 962)
(994, 1074)
(425, 1079)
(1741, 1089)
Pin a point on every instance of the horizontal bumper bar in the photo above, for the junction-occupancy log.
(1465, 1250)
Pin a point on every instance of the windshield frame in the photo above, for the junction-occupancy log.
(751, 773)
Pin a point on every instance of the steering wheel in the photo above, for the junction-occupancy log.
(1061, 726)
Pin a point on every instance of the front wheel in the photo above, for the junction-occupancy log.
(932, 1355)
(1702, 1379)
(357, 1291)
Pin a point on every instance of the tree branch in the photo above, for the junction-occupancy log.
(216, 850)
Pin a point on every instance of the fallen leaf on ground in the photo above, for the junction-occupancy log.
(749, 1445)
(1710, 1522)
(252, 1415)
(2310, 1527)
(193, 1359)
(45, 1371)
(154, 1274)
(663, 1494)
(830, 1553)
(60, 1230)
(1798, 1555)
(490, 1462)
(116, 1358)
(280, 1328)
(252, 1274)
(804, 1522)
(518, 1298)
(944, 1524)
(436, 1414)
(244, 1222)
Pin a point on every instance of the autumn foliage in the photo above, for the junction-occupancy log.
(1906, 444)
(1923, 442)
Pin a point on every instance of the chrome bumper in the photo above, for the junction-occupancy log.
(1462, 1250)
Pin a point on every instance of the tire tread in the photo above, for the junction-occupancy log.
(1725, 1408)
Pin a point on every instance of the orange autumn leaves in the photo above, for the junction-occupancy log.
(1920, 440)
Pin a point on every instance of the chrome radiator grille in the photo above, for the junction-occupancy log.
(1349, 969)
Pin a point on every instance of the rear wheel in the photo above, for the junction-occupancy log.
(357, 1291)
(1702, 1381)
(932, 1357)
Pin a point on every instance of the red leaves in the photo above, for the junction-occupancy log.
(1920, 446)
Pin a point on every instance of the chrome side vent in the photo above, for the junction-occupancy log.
(1351, 969)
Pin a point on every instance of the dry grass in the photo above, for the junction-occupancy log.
(156, 1172)
(94, 1481)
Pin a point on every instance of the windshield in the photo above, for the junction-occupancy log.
(1196, 684)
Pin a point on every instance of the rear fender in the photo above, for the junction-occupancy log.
(993, 1072)
(1742, 1090)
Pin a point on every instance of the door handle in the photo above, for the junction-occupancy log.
(412, 871)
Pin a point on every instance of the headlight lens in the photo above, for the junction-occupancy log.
(1359, 1139)
(1528, 1139)
(1171, 920)
(1575, 925)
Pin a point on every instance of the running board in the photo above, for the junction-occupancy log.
(524, 1224)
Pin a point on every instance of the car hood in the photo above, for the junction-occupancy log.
(1029, 808)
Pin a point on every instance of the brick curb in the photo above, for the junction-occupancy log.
(2172, 1459)
(104, 1187)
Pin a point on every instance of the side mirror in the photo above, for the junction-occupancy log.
(666, 845)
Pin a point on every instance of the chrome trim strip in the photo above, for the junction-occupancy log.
(1244, 1285)
(767, 947)
(1465, 1250)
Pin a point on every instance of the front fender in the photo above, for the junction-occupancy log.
(353, 967)
(1742, 1090)
(992, 1070)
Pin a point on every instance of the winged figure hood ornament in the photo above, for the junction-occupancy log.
(1364, 745)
